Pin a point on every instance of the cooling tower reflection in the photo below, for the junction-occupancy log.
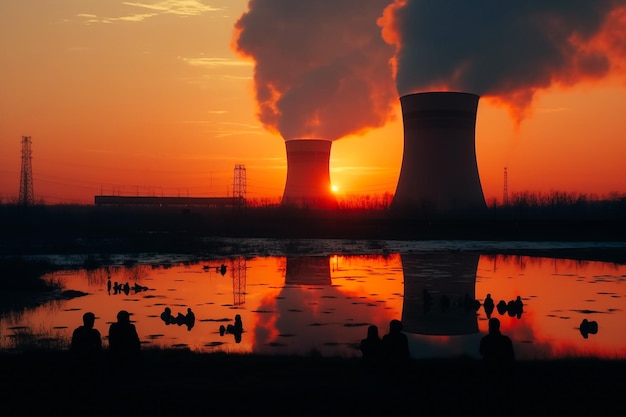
(439, 293)
(316, 313)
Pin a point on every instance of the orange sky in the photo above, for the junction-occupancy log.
(149, 98)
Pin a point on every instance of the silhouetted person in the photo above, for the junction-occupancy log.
(124, 344)
(109, 285)
(126, 288)
(497, 349)
(395, 347)
(223, 269)
(166, 316)
(180, 319)
(190, 318)
(372, 350)
(588, 327)
(511, 308)
(502, 307)
(86, 341)
(235, 329)
(498, 371)
(488, 305)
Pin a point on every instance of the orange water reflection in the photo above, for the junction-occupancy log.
(297, 305)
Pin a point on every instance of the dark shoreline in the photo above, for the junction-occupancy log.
(178, 382)
(194, 246)
(75, 228)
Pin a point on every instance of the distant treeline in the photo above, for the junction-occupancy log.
(60, 228)
(521, 205)
(560, 204)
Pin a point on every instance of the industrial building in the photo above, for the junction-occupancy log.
(212, 202)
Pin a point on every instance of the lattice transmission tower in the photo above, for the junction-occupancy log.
(239, 185)
(505, 196)
(238, 271)
(27, 195)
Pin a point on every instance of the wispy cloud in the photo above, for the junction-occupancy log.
(173, 7)
(226, 129)
(179, 7)
(238, 129)
(134, 17)
(217, 62)
(90, 18)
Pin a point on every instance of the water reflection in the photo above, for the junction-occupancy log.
(296, 305)
(312, 312)
(588, 327)
(236, 329)
(439, 293)
(188, 319)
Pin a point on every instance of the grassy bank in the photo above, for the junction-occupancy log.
(173, 382)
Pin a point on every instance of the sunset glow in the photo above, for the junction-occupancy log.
(163, 98)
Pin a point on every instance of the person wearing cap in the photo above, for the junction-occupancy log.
(86, 340)
(124, 344)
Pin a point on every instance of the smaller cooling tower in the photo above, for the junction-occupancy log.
(439, 172)
(308, 176)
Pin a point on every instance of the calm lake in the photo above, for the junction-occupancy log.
(323, 303)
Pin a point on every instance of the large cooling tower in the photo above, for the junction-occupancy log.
(308, 176)
(439, 171)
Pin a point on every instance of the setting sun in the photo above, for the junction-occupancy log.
(334, 188)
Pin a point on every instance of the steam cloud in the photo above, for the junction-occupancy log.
(322, 68)
(505, 50)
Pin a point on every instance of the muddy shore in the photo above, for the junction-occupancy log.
(184, 383)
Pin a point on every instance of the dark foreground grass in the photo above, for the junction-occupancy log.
(182, 383)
